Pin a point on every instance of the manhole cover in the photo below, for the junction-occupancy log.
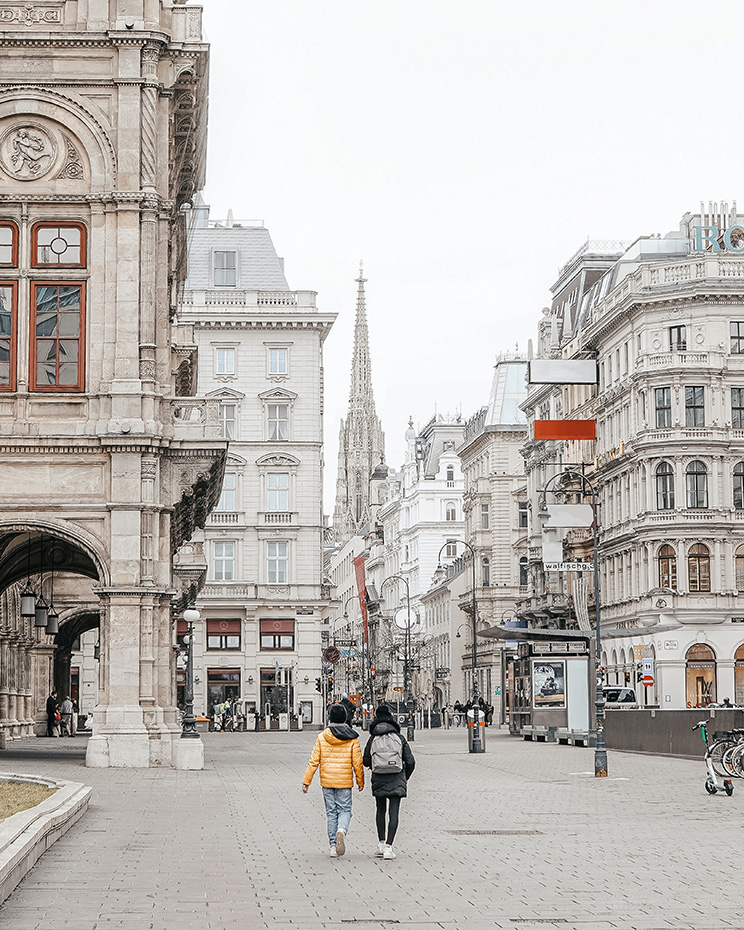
(494, 832)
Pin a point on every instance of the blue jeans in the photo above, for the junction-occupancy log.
(338, 811)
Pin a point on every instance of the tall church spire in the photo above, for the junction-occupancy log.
(361, 446)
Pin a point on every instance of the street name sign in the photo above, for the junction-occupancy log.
(569, 515)
(568, 566)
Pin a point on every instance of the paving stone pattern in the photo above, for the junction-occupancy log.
(523, 837)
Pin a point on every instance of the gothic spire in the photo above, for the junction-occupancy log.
(361, 367)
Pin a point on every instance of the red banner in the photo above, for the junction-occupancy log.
(565, 429)
(362, 589)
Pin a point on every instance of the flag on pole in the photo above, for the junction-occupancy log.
(362, 589)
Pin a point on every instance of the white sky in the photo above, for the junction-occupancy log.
(464, 149)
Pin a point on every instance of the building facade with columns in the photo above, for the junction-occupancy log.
(102, 140)
(664, 319)
(260, 350)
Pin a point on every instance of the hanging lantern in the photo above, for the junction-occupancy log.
(97, 651)
(42, 612)
(28, 602)
(52, 627)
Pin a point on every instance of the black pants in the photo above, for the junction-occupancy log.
(392, 825)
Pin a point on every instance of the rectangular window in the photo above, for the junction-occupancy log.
(451, 549)
(277, 634)
(226, 502)
(7, 336)
(223, 634)
(225, 269)
(277, 361)
(227, 420)
(278, 488)
(677, 338)
(224, 561)
(484, 516)
(278, 421)
(225, 359)
(694, 406)
(58, 327)
(737, 338)
(524, 515)
(277, 562)
(59, 246)
(663, 407)
(737, 408)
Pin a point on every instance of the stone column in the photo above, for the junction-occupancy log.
(120, 738)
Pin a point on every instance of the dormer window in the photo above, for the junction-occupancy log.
(225, 269)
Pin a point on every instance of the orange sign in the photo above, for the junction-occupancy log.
(565, 429)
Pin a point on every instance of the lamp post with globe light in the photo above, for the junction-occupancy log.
(188, 728)
(403, 621)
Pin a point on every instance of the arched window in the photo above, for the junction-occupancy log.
(486, 568)
(665, 487)
(740, 568)
(523, 571)
(739, 676)
(701, 675)
(698, 567)
(697, 485)
(739, 486)
(667, 568)
(613, 669)
(450, 512)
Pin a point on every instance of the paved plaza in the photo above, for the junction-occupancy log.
(521, 837)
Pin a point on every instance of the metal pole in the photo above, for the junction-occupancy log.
(477, 743)
(188, 730)
(411, 732)
(600, 750)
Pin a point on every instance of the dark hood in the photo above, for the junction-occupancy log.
(378, 727)
(343, 731)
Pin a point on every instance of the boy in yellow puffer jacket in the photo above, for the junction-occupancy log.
(339, 756)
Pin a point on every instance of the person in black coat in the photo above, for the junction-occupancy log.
(388, 788)
(51, 709)
(349, 708)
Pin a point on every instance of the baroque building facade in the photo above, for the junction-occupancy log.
(664, 319)
(102, 140)
(496, 521)
(260, 349)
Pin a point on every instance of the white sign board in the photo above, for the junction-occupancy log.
(568, 566)
(562, 371)
(552, 551)
(570, 515)
(648, 667)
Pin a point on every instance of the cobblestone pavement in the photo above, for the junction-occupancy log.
(521, 837)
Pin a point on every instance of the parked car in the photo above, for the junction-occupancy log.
(615, 696)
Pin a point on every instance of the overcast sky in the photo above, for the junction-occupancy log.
(464, 149)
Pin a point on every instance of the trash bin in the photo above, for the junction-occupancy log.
(250, 722)
(481, 729)
(283, 721)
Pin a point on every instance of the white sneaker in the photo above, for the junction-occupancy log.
(334, 854)
(381, 848)
(388, 853)
(340, 842)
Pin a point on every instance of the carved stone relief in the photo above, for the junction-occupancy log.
(30, 15)
(27, 151)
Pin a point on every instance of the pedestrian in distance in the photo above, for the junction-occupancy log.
(51, 710)
(339, 757)
(389, 756)
(66, 713)
(349, 708)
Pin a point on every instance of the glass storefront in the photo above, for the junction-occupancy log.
(701, 676)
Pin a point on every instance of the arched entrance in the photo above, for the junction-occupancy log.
(700, 675)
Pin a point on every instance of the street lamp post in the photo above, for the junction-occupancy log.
(587, 488)
(407, 677)
(188, 730)
(477, 745)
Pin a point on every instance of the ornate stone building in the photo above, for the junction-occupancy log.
(361, 441)
(260, 348)
(665, 321)
(496, 518)
(108, 468)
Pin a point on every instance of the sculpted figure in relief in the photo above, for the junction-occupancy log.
(28, 150)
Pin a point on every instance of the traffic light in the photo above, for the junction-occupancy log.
(372, 672)
(318, 684)
(330, 682)
(627, 678)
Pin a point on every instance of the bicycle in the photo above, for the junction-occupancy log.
(714, 784)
